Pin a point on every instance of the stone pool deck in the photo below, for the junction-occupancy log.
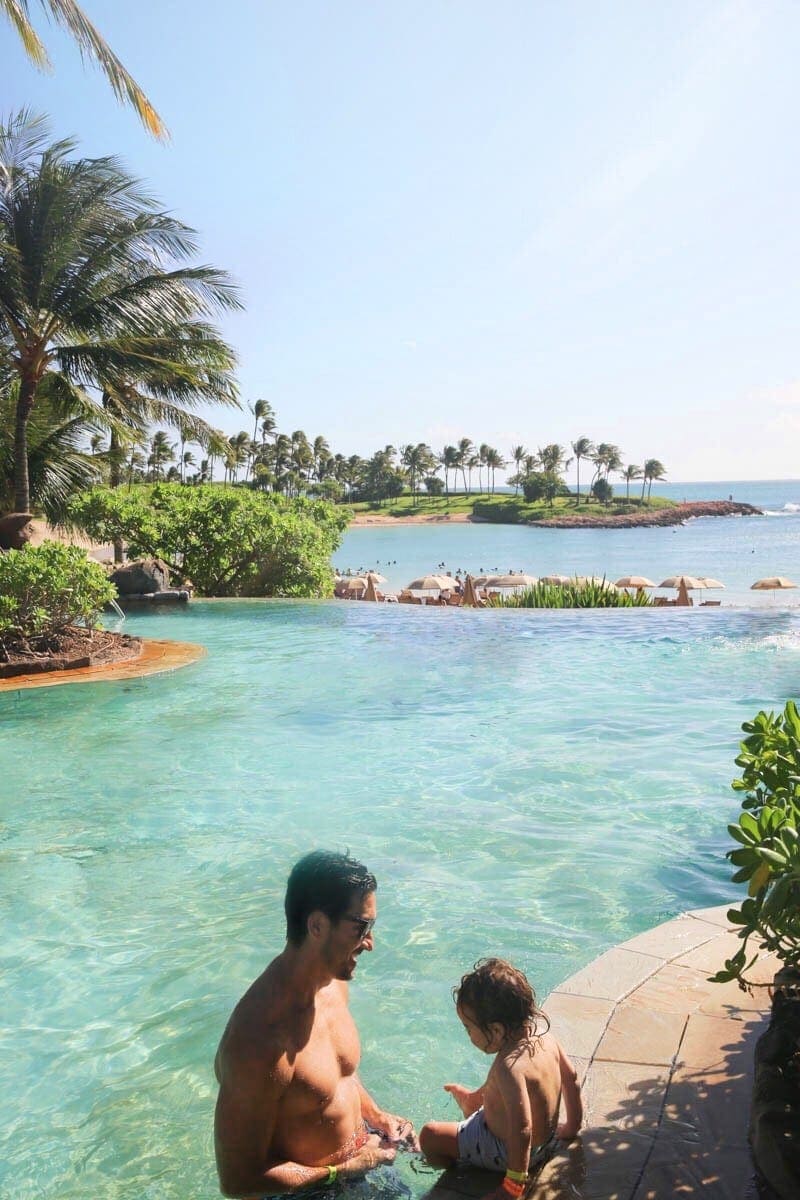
(666, 1062)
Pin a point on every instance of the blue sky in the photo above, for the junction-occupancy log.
(519, 222)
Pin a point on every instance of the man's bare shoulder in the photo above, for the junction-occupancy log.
(262, 1030)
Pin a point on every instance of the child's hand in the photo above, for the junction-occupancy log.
(463, 1097)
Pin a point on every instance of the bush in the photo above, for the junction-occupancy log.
(45, 589)
(541, 485)
(228, 541)
(572, 595)
(767, 856)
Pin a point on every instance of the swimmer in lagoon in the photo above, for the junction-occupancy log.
(511, 1121)
(291, 1111)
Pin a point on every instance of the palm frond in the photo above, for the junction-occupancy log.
(69, 16)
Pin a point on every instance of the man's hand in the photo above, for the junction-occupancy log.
(464, 1098)
(374, 1153)
(396, 1131)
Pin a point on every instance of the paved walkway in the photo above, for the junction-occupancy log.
(666, 1061)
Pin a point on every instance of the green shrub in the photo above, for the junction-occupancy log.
(572, 595)
(227, 541)
(767, 855)
(45, 589)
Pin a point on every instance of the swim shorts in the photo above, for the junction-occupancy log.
(478, 1146)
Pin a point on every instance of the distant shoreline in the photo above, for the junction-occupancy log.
(676, 514)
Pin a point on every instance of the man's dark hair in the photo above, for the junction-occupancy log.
(495, 991)
(326, 881)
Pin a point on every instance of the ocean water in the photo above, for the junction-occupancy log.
(734, 550)
(538, 785)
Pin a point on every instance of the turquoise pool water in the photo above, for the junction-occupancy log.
(539, 785)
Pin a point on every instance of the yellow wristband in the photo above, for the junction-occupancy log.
(517, 1176)
(332, 1176)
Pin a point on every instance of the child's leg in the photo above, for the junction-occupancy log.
(438, 1141)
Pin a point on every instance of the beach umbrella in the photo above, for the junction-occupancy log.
(634, 581)
(688, 581)
(511, 581)
(684, 585)
(355, 585)
(712, 583)
(554, 580)
(432, 583)
(378, 578)
(601, 581)
(773, 583)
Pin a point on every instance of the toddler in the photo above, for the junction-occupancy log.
(511, 1122)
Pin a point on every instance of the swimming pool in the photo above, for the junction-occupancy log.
(539, 785)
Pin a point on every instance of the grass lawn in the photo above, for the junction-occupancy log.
(502, 509)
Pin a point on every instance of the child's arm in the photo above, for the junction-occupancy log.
(469, 1102)
(571, 1095)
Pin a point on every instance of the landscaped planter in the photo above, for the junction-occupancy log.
(775, 1115)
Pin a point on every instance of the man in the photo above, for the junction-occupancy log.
(291, 1111)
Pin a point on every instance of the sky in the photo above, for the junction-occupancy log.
(522, 222)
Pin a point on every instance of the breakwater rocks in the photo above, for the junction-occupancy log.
(676, 515)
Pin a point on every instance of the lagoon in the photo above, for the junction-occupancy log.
(540, 785)
(735, 550)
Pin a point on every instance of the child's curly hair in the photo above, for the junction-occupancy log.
(496, 992)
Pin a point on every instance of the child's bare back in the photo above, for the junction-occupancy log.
(534, 1063)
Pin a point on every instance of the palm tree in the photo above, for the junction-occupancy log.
(629, 474)
(494, 462)
(70, 17)
(261, 409)
(518, 454)
(449, 462)
(582, 448)
(161, 451)
(653, 469)
(94, 286)
(552, 458)
(464, 451)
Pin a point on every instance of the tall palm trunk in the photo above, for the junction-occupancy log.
(114, 480)
(22, 486)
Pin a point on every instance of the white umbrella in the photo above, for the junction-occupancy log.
(773, 583)
(376, 577)
(634, 581)
(712, 583)
(555, 580)
(511, 581)
(687, 581)
(584, 580)
(432, 583)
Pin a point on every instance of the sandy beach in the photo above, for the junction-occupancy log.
(427, 519)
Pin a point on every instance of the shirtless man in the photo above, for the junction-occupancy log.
(291, 1110)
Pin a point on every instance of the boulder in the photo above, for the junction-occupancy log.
(141, 577)
(16, 530)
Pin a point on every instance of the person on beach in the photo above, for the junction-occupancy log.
(511, 1122)
(291, 1111)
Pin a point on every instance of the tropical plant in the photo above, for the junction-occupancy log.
(228, 541)
(602, 490)
(541, 485)
(592, 594)
(70, 17)
(464, 452)
(518, 454)
(44, 590)
(95, 288)
(767, 855)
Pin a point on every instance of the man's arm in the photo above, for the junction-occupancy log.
(398, 1130)
(571, 1095)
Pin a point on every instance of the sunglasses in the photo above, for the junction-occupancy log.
(364, 925)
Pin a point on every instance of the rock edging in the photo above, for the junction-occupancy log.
(676, 515)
